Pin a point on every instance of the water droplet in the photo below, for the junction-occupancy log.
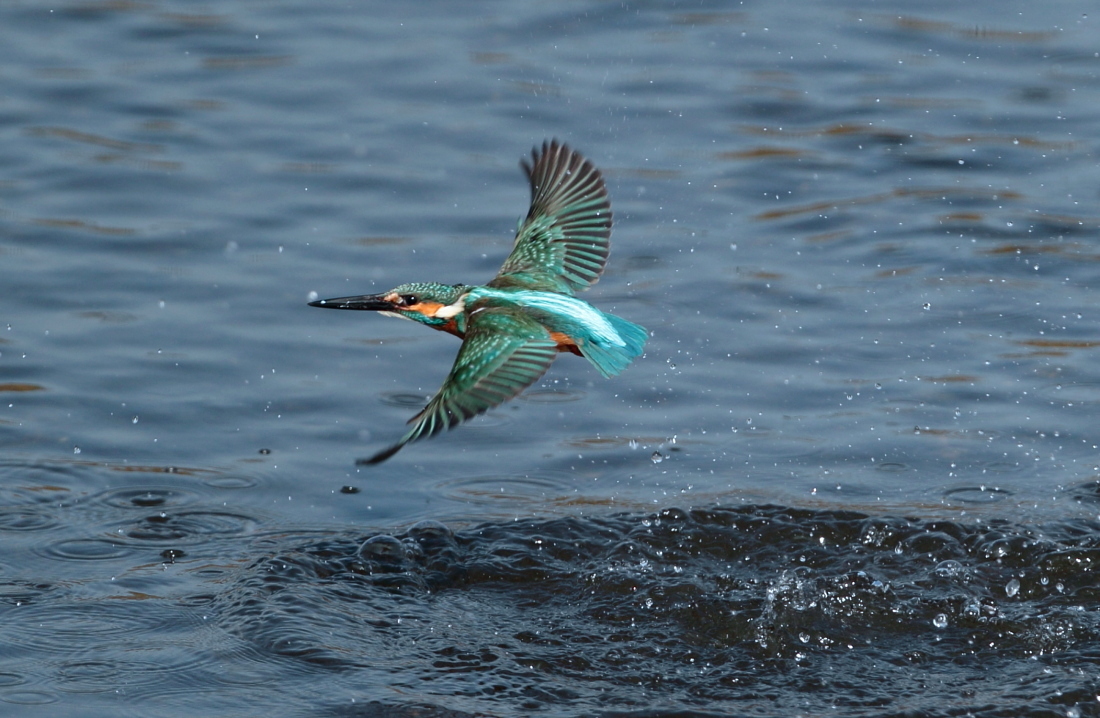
(1012, 588)
(134, 420)
(940, 621)
(76, 449)
(656, 458)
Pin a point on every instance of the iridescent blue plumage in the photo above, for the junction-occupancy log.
(513, 327)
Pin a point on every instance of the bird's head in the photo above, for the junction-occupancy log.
(437, 305)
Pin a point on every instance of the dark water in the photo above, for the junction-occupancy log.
(747, 611)
(855, 472)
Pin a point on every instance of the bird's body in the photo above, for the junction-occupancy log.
(514, 326)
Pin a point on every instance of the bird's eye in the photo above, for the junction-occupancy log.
(409, 299)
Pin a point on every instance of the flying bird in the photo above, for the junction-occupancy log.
(514, 326)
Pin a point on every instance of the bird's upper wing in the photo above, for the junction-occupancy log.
(504, 352)
(563, 243)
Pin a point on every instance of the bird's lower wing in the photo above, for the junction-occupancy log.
(503, 354)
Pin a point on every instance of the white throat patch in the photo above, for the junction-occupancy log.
(452, 310)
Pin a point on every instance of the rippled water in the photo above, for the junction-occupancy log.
(755, 611)
(854, 473)
(750, 610)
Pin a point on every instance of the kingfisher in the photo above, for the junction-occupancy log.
(513, 327)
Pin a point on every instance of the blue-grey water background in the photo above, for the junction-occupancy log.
(855, 471)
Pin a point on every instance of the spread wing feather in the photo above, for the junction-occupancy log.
(504, 353)
(563, 243)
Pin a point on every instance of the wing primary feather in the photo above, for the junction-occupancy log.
(504, 353)
(563, 243)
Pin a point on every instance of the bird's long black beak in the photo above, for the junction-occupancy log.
(372, 302)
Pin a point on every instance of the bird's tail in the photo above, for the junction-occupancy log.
(612, 358)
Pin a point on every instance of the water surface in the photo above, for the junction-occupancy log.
(863, 236)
